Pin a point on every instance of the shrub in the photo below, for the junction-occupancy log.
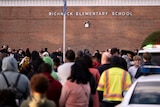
(153, 38)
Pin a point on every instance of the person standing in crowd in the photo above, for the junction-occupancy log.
(105, 62)
(64, 70)
(56, 62)
(49, 60)
(123, 63)
(32, 67)
(96, 75)
(76, 90)
(115, 52)
(147, 61)
(25, 60)
(133, 69)
(9, 52)
(112, 82)
(79, 53)
(39, 85)
(87, 52)
(10, 71)
(96, 59)
(20, 55)
(2, 55)
(54, 90)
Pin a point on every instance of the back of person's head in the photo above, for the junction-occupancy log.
(115, 61)
(123, 63)
(56, 61)
(28, 53)
(49, 60)
(87, 52)
(7, 98)
(88, 61)
(115, 51)
(70, 55)
(34, 55)
(9, 63)
(80, 53)
(106, 57)
(98, 57)
(80, 72)
(45, 67)
(147, 56)
(39, 83)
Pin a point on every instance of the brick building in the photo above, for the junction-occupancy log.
(38, 24)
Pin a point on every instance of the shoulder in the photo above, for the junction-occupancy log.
(25, 103)
(69, 85)
(50, 103)
(56, 83)
(94, 71)
(24, 77)
(130, 68)
(66, 64)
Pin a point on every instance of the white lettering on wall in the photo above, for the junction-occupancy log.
(91, 13)
(122, 13)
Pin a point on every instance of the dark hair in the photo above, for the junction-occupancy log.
(70, 55)
(45, 67)
(88, 61)
(114, 50)
(87, 52)
(79, 53)
(34, 55)
(147, 56)
(39, 83)
(80, 72)
(115, 61)
(28, 53)
(56, 61)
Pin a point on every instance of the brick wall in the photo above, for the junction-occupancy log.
(33, 27)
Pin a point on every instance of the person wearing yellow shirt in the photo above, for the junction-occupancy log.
(113, 82)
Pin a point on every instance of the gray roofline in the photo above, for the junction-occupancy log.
(80, 3)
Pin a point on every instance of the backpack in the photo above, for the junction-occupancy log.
(13, 88)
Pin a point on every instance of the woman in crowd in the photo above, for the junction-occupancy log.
(76, 90)
(96, 75)
(39, 85)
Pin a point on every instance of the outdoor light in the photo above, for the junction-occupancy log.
(86, 24)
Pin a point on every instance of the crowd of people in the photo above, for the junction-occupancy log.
(83, 80)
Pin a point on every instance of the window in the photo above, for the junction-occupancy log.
(146, 93)
(155, 58)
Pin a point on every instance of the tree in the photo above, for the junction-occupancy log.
(153, 38)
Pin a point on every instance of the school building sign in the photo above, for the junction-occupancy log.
(36, 27)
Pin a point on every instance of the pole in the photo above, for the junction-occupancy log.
(64, 28)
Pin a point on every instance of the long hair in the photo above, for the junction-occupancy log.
(88, 61)
(80, 72)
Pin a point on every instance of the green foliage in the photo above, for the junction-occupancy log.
(153, 38)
